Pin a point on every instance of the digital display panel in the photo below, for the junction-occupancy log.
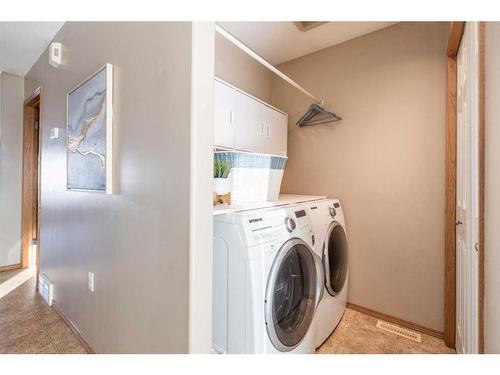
(300, 213)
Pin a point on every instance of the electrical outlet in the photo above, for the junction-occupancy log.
(90, 281)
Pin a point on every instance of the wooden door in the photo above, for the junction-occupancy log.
(30, 195)
(35, 207)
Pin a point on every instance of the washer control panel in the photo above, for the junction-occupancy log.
(266, 225)
(303, 223)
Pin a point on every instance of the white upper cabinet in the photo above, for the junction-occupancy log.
(276, 131)
(223, 115)
(249, 134)
(245, 123)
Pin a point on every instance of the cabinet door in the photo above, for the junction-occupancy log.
(223, 115)
(276, 131)
(249, 124)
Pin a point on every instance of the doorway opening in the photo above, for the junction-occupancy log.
(30, 216)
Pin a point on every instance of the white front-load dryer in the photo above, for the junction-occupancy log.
(267, 282)
(327, 219)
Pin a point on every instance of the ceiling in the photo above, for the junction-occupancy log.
(21, 43)
(278, 42)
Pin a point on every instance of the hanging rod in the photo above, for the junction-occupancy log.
(266, 63)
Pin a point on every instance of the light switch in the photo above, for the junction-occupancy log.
(55, 54)
(54, 133)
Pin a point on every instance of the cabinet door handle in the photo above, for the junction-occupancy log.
(231, 117)
(261, 129)
(268, 129)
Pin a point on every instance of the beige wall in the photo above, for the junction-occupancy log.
(236, 67)
(492, 191)
(135, 241)
(11, 162)
(385, 161)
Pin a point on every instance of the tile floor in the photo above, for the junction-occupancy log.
(29, 326)
(357, 334)
(6, 275)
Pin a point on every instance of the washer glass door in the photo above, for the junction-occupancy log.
(291, 294)
(335, 260)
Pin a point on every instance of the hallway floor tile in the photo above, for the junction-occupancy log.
(29, 326)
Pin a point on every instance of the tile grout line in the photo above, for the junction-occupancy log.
(24, 297)
(39, 320)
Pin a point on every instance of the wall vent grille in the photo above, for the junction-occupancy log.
(46, 289)
(411, 335)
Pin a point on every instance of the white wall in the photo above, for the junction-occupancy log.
(137, 241)
(492, 191)
(201, 212)
(11, 155)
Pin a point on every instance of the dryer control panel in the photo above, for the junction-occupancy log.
(336, 210)
(262, 226)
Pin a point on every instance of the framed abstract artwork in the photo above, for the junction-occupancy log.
(90, 133)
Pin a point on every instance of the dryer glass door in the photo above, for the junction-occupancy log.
(291, 295)
(335, 260)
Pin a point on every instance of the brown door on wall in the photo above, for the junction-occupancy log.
(30, 196)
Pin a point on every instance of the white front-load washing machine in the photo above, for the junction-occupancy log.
(328, 222)
(267, 282)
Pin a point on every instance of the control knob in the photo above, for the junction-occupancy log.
(290, 224)
(333, 212)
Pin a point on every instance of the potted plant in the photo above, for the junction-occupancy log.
(221, 173)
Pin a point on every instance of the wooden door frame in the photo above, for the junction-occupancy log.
(454, 39)
(28, 220)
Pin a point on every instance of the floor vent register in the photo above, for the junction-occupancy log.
(399, 331)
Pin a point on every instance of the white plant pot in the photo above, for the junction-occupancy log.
(221, 186)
